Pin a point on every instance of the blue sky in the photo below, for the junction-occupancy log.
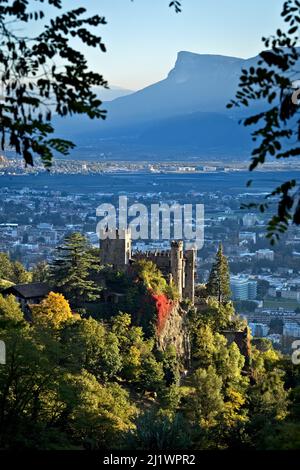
(144, 36)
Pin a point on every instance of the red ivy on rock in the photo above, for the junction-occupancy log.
(163, 308)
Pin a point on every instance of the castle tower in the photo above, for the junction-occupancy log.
(177, 265)
(115, 248)
(190, 270)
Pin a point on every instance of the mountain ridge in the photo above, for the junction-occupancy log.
(198, 83)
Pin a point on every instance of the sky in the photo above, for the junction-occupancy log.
(143, 37)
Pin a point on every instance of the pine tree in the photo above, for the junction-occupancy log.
(219, 280)
(13, 271)
(71, 271)
(40, 272)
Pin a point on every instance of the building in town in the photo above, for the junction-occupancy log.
(243, 288)
(266, 254)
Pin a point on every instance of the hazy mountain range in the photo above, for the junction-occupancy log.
(183, 114)
(111, 93)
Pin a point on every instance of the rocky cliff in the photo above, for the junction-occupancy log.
(167, 320)
(172, 329)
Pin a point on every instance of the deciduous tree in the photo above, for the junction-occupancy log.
(53, 311)
(276, 127)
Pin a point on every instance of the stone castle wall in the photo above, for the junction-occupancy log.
(176, 264)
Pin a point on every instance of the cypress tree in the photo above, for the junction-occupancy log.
(219, 280)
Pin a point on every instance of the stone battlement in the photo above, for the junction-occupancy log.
(149, 253)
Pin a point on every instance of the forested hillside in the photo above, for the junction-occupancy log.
(93, 374)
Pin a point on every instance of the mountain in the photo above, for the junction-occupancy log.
(198, 82)
(111, 93)
(186, 110)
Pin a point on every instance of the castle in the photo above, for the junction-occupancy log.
(177, 265)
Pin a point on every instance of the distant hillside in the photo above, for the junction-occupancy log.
(112, 93)
(205, 131)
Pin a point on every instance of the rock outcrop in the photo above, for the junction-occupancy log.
(172, 330)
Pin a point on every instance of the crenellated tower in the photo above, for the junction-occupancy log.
(190, 273)
(115, 248)
(177, 265)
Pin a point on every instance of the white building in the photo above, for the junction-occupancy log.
(249, 220)
(243, 288)
(265, 254)
(247, 236)
(259, 330)
(292, 330)
(283, 293)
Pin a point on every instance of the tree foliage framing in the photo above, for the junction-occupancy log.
(277, 128)
(44, 75)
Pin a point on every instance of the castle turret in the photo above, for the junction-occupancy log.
(115, 248)
(177, 265)
(190, 269)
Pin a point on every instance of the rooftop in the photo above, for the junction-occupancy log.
(28, 291)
